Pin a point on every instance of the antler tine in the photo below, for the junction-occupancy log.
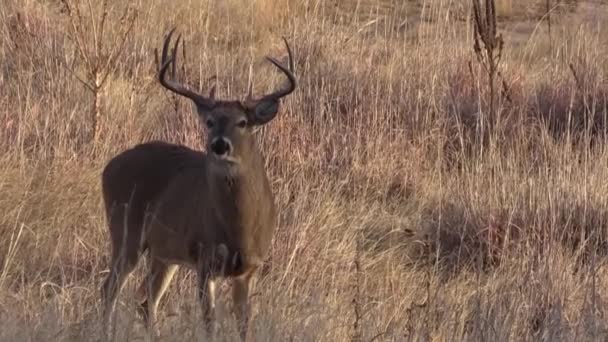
(174, 56)
(290, 55)
(288, 73)
(172, 84)
(213, 87)
(163, 59)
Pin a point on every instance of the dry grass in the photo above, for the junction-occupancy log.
(375, 159)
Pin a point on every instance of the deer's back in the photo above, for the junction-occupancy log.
(137, 176)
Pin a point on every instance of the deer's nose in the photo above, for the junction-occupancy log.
(221, 146)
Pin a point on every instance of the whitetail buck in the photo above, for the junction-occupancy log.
(213, 212)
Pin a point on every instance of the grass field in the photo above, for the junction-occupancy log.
(404, 214)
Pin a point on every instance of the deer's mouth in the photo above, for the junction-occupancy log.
(226, 158)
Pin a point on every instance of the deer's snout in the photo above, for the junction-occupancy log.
(221, 146)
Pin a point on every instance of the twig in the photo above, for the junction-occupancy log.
(548, 10)
(357, 336)
(577, 80)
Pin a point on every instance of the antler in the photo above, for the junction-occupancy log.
(291, 84)
(170, 59)
(165, 62)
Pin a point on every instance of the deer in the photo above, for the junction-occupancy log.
(212, 212)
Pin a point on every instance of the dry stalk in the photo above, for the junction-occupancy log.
(488, 47)
(548, 10)
(356, 333)
(99, 60)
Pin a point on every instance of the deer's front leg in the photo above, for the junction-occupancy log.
(240, 297)
(206, 295)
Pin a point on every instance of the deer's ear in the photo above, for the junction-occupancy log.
(200, 111)
(262, 111)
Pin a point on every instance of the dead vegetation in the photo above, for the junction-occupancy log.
(397, 222)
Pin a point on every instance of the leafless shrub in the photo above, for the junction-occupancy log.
(488, 47)
(88, 32)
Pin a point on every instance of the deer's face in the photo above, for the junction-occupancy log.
(229, 126)
(229, 123)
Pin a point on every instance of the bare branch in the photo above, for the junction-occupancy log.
(102, 21)
(76, 22)
(96, 37)
(118, 49)
(85, 83)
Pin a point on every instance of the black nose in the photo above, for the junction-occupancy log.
(220, 146)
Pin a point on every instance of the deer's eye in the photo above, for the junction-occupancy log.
(210, 123)
(242, 123)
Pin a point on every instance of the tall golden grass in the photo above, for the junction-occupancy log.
(397, 221)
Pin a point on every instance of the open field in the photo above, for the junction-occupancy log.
(404, 214)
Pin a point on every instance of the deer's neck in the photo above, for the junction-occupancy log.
(245, 207)
(245, 182)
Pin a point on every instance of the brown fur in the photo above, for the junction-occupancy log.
(213, 213)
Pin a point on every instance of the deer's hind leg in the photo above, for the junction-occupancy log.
(122, 267)
(125, 256)
(154, 286)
